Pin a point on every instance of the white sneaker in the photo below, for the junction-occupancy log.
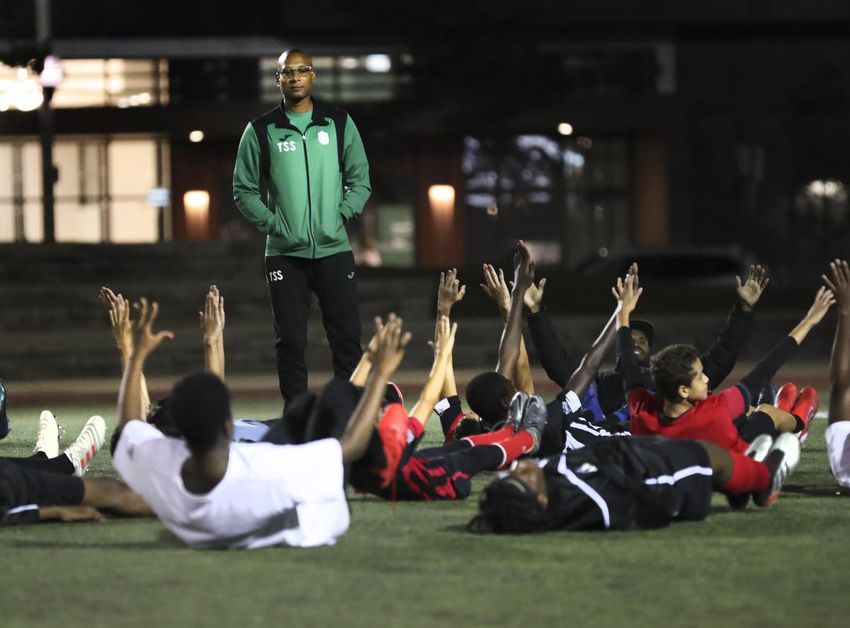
(759, 447)
(781, 462)
(48, 435)
(83, 450)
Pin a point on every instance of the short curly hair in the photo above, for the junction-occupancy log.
(672, 367)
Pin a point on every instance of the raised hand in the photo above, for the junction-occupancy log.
(751, 290)
(212, 316)
(533, 297)
(494, 286)
(118, 309)
(145, 340)
(839, 283)
(523, 268)
(823, 301)
(627, 293)
(449, 292)
(390, 347)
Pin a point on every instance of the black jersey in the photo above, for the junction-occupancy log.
(628, 483)
(570, 427)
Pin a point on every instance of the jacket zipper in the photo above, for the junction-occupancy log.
(309, 192)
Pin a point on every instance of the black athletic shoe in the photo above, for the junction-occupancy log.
(4, 420)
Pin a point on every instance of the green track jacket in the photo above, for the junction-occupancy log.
(313, 182)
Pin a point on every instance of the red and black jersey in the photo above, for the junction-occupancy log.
(711, 419)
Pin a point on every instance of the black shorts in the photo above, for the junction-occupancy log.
(23, 490)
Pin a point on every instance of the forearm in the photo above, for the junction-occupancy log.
(839, 366)
(130, 393)
(802, 330)
(361, 372)
(362, 423)
(554, 359)
(720, 358)
(511, 336)
(214, 357)
(522, 376)
(768, 366)
(584, 375)
(124, 350)
(449, 382)
(431, 391)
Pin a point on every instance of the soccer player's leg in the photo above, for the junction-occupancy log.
(738, 474)
(23, 491)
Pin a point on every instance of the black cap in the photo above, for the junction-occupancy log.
(643, 326)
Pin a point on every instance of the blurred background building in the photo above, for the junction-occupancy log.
(693, 136)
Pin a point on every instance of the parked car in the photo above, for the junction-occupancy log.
(672, 263)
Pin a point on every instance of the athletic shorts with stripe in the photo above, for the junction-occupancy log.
(23, 490)
(630, 483)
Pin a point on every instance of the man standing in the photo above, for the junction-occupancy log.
(301, 172)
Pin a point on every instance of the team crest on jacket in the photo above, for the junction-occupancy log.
(324, 138)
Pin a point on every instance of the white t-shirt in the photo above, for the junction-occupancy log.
(270, 494)
(838, 450)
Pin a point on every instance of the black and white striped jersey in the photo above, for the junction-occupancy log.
(570, 427)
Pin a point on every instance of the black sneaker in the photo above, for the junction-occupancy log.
(534, 420)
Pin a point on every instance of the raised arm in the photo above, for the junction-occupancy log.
(720, 358)
(764, 371)
(449, 292)
(389, 350)
(443, 344)
(495, 287)
(212, 327)
(839, 362)
(509, 347)
(554, 358)
(590, 364)
(360, 375)
(627, 292)
(145, 341)
(118, 310)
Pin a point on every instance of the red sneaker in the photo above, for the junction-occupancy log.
(786, 396)
(806, 408)
(392, 428)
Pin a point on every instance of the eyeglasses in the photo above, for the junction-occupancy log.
(301, 70)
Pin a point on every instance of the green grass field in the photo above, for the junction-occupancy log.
(412, 564)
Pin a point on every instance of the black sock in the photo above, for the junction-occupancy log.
(799, 425)
(39, 455)
(479, 458)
